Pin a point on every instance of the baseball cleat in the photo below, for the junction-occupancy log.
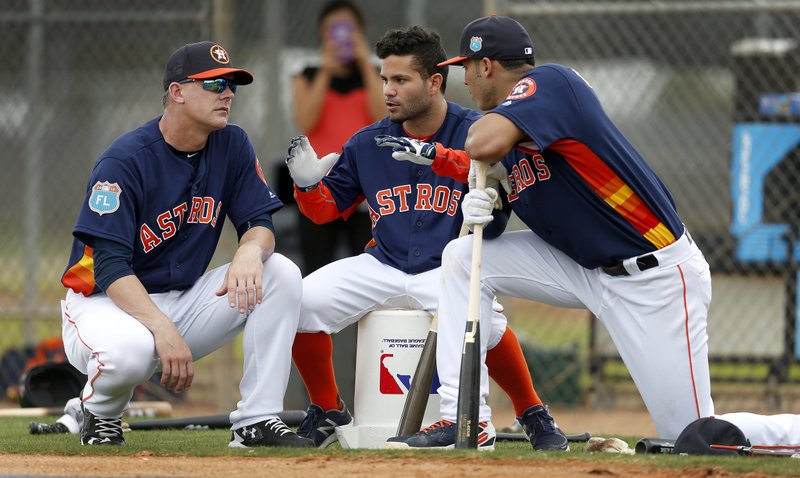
(270, 432)
(541, 429)
(320, 426)
(101, 431)
(442, 435)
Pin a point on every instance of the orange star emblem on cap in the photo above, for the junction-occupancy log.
(220, 55)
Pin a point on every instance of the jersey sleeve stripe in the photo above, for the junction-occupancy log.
(613, 190)
(80, 277)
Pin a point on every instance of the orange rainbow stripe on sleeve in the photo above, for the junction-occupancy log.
(615, 192)
(80, 277)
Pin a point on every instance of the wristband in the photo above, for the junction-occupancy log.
(308, 188)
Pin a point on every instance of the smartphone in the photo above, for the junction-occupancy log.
(340, 32)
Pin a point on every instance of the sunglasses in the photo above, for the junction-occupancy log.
(217, 85)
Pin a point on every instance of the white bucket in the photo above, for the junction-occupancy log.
(389, 345)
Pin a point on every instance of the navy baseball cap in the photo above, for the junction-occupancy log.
(494, 37)
(202, 61)
(698, 436)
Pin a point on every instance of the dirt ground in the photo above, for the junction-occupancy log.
(390, 467)
(599, 423)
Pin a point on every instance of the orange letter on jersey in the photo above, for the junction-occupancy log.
(440, 197)
(402, 192)
(454, 198)
(149, 239)
(384, 198)
(197, 203)
(423, 197)
(166, 225)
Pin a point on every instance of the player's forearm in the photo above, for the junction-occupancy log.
(260, 238)
(491, 137)
(450, 162)
(129, 294)
(317, 204)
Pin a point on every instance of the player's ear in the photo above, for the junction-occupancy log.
(176, 93)
(436, 83)
(485, 67)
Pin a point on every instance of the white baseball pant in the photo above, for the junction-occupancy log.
(770, 430)
(117, 352)
(657, 318)
(343, 291)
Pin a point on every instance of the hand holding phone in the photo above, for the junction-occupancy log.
(341, 32)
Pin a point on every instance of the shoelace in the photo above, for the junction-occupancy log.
(439, 424)
(309, 422)
(108, 427)
(277, 426)
(543, 423)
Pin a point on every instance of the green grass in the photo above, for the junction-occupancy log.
(14, 438)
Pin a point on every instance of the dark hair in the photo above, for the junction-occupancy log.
(424, 45)
(337, 5)
(515, 64)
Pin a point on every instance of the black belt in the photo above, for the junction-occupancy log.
(647, 261)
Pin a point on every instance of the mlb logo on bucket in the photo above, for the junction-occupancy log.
(397, 370)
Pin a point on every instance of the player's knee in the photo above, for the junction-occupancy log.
(280, 272)
(456, 254)
(311, 308)
(128, 365)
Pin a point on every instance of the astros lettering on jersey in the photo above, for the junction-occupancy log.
(402, 196)
(160, 224)
(585, 171)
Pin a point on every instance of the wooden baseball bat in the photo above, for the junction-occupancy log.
(419, 392)
(137, 409)
(469, 385)
(291, 418)
(575, 438)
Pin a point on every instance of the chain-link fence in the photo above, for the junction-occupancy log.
(685, 81)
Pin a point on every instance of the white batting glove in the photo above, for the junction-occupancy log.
(304, 166)
(477, 207)
(496, 176)
(408, 149)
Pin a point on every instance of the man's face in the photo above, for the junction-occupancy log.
(478, 86)
(406, 94)
(207, 106)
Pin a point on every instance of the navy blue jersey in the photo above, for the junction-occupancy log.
(581, 185)
(415, 212)
(145, 196)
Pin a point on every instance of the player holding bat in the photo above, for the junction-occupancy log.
(604, 232)
(412, 188)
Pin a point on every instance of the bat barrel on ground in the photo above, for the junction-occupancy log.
(654, 445)
(470, 377)
(37, 428)
(574, 438)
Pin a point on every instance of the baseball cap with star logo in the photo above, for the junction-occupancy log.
(494, 37)
(202, 61)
